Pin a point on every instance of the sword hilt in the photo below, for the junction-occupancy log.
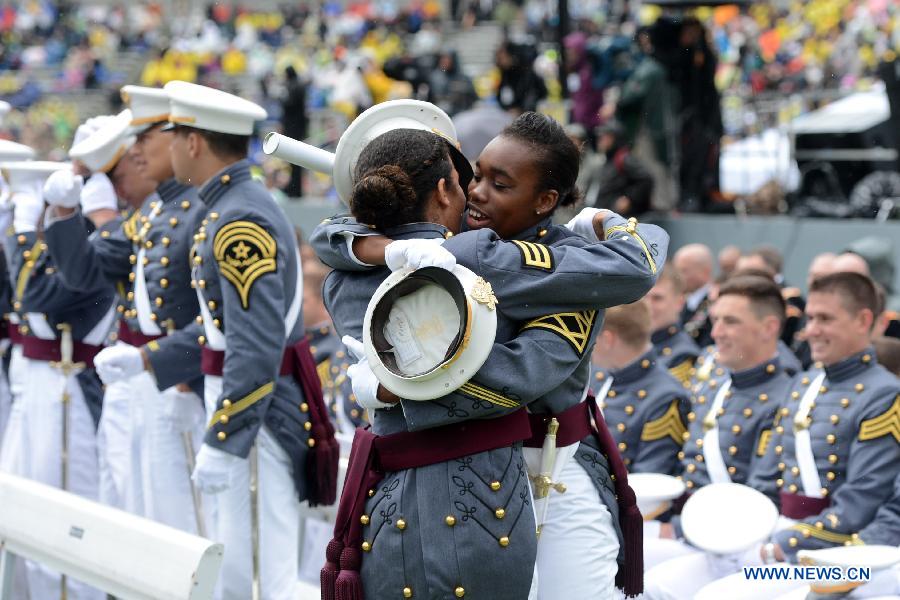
(66, 365)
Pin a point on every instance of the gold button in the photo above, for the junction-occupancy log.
(120, 309)
(407, 592)
(732, 450)
(198, 260)
(698, 458)
(163, 283)
(459, 592)
(623, 446)
(450, 520)
(311, 443)
(620, 427)
(845, 402)
(748, 412)
(307, 426)
(199, 320)
(642, 393)
(154, 317)
(364, 519)
(835, 419)
(830, 476)
(366, 547)
(629, 410)
(598, 376)
(689, 484)
(164, 261)
(666, 351)
(806, 533)
(185, 204)
(129, 296)
(499, 513)
(401, 524)
(795, 470)
(158, 301)
(805, 381)
(779, 449)
(304, 407)
(611, 393)
(779, 429)
(691, 468)
(504, 541)
(211, 304)
(691, 417)
(173, 222)
(201, 340)
(830, 438)
(148, 244)
(859, 387)
(202, 284)
(686, 435)
(823, 389)
(221, 436)
(681, 455)
(735, 429)
(732, 470)
(867, 358)
(21, 240)
(131, 277)
(763, 397)
(781, 466)
(217, 323)
(770, 369)
(225, 179)
(645, 364)
(371, 493)
(792, 488)
(795, 395)
(833, 459)
(223, 419)
(824, 492)
(213, 215)
(793, 542)
(226, 403)
(779, 482)
(166, 241)
(701, 399)
(495, 485)
(699, 442)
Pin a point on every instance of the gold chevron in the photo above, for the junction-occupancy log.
(682, 371)
(483, 393)
(764, 438)
(574, 327)
(245, 252)
(670, 424)
(822, 534)
(888, 423)
(536, 256)
(324, 371)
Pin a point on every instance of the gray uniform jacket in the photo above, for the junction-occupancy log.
(676, 351)
(245, 263)
(853, 426)
(332, 362)
(885, 527)
(38, 289)
(160, 235)
(646, 410)
(543, 358)
(744, 422)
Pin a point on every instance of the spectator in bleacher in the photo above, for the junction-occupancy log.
(587, 99)
(293, 123)
(520, 87)
(625, 183)
(449, 87)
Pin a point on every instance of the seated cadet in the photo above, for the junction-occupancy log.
(644, 406)
(673, 347)
(731, 418)
(328, 351)
(694, 264)
(767, 258)
(883, 530)
(833, 456)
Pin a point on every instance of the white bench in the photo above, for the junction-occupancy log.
(124, 555)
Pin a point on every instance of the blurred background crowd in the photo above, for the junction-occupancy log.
(691, 109)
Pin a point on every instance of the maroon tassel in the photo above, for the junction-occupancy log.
(322, 465)
(328, 574)
(632, 524)
(348, 585)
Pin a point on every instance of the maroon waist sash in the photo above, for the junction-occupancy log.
(134, 338)
(798, 506)
(38, 349)
(12, 331)
(324, 454)
(575, 425)
(371, 456)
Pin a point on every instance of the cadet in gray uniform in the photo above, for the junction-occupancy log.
(531, 260)
(646, 408)
(849, 412)
(675, 349)
(148, 257)
(59, 393)
(268, 443)
(730, 423)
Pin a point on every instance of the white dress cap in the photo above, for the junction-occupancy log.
(209, 109)
(102, 149)
(148, 106)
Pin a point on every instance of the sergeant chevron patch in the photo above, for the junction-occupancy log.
(245, 252)
(887, 423)
(535, 256)
(574, 327)
(668, 425)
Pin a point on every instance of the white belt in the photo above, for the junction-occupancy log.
(603, 392)
(712, 451)
(142, 299)
(806, 460)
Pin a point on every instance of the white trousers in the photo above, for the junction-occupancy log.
(279, 520)
(578, 547)
(5, 401)
(42, 393)
(15, 445)
(118, 442)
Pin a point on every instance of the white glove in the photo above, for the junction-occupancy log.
(118, 362)
(63, 189)
(583, 223)
(362, 379)
(27, 211)
(180, 409)
(417, 254)
(213, 468)
(98, 193)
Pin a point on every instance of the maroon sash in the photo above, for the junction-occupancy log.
(38, 349)
(134, 338)
(798, 506)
